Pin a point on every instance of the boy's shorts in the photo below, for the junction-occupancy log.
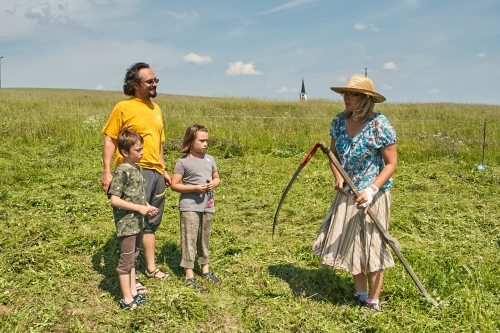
(130, 246)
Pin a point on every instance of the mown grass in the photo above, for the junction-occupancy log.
(58, 250)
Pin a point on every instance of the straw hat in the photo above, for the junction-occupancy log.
(360, 84)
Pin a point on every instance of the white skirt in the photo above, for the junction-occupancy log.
(349, 240)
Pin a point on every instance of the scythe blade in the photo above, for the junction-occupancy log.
(306, 159)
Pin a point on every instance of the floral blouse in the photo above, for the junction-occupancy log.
(360, 156)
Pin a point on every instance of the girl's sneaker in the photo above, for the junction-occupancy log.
(373, 306)
(211, 278)
(357, 300)
(191, 282)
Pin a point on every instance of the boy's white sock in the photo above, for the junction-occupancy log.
(374, 301)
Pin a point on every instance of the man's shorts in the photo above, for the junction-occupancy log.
(155, 196)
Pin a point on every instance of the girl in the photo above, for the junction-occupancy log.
(195, 177)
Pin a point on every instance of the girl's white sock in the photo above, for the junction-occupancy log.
(363, 295)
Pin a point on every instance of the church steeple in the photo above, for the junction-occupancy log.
(303, 94)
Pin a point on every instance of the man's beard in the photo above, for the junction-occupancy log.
(152, 93)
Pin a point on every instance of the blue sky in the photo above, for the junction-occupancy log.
(415, 50)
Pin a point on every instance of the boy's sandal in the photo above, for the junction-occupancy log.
(129, 306)
(141, 299)
(141, 289)
(158, 275)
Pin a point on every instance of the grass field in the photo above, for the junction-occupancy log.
(58, 249)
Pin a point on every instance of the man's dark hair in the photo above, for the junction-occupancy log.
(132, 76)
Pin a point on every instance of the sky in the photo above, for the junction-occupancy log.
(414, 50)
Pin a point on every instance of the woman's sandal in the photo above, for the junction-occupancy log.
(154, 275)
(141, 289)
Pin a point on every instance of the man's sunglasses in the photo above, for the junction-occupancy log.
(150, 81)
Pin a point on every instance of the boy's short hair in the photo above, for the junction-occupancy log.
(127, 139)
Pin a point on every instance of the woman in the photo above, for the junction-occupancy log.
(365, 144)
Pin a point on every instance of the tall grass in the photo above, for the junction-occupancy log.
(424, 130)
(58, 251)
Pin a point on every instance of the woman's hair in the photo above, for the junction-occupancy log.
(132, 76)
(365, 111)
(190, 135)
(127, 139)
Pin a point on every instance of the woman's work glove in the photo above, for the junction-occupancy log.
(370, 192)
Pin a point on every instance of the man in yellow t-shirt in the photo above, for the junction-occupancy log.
(140, 114)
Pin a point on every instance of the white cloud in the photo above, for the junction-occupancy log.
(362, 26)
(289, 5)
(27, 15)
(390, 65)
(341, 79)
(435, 91)
(239, 68)
(44, 13)
(100, 87)
(387, 87)
(102, 2)
(413, 3)
(40, 12)
(197, 59)
(285, 90)
(481, 55)
(184, 16)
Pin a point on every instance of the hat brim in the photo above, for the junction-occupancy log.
(377, 98)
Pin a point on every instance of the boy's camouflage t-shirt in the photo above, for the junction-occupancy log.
(128, 183)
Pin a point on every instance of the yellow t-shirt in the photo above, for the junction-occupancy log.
(144, 118)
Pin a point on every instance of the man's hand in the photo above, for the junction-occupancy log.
(108, 151)
(106, 181)
(167, 178)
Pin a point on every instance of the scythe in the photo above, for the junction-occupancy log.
(394, 244)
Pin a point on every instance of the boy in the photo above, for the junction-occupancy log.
(130, 211)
